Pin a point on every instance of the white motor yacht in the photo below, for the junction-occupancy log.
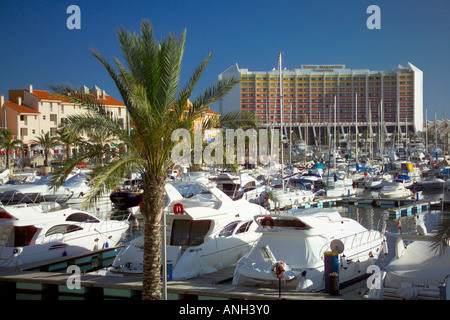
(78, 188)
(290, 197)
(417, 271)
(39, 232)
(33, 192)
(395, 190)
(377, 181)
(340, 191)
(242, 185)
(300, 238)
(207, 232)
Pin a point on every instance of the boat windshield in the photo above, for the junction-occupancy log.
(44, 180)
(18, 236)
(75, 181)
(194, 191)
(282, 223)
(189, 233)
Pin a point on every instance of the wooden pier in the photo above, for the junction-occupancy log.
(389, 202)
(26, 285)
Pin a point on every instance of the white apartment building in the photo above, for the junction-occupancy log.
(30, 112)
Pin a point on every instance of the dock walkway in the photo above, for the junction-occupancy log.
(57, 286)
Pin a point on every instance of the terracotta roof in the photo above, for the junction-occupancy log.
(44, 95)
(110, 101)
(212, 112)
(20, 108)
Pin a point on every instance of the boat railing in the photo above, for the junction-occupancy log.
(15, 197)
(355, 240)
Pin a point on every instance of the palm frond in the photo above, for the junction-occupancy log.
(106, 178)
(238, 119)
(211, 95)
(441, 239)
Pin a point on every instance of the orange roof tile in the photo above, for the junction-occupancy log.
(20, 108)
(44, 95)
(110, 101)
(212, 112)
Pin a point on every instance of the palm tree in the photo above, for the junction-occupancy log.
(47, 142)
(68, 140)
(9, 144)
(149, 87)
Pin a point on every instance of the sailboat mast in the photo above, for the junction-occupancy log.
(370, 134)
(281, 116)
(426, 130)
(445, 131)
(335, 146)
(356, 128)
(435, 136)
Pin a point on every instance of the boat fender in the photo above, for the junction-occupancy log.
(304, 284)
(358, 266)
(178, 208)
(344, 263)
(385, 247)
(399, 247)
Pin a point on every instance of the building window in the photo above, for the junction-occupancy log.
(22, 117)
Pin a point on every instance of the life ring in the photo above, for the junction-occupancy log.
(178, 208)
(178, 169)
(267, 220)
(279, 269)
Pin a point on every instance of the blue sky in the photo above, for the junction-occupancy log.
(37, 48)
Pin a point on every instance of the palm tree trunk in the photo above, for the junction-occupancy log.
(152, 209)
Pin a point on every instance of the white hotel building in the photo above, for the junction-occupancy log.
(393, 98)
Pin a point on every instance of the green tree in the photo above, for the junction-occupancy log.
(9, 144)
(47, 142)
(68, 140)
(148, 84)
